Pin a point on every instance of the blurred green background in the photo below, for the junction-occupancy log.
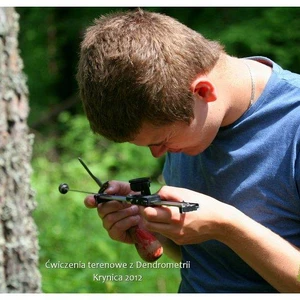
(49, 41)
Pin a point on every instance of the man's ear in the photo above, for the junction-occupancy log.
(204, 88)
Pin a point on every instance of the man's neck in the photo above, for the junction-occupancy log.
(238, 82)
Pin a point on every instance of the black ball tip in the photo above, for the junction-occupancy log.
(63, 188)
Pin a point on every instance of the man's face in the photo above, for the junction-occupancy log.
(190, 139)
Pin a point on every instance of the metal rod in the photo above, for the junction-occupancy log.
(98, 181)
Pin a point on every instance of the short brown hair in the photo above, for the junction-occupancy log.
(136, 67)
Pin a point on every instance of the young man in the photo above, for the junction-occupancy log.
(231, 131)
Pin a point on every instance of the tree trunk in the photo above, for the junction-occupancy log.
(18, 234)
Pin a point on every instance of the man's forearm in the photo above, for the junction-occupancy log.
(276, 260)
(171, 249)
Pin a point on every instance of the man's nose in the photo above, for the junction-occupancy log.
(158, 151)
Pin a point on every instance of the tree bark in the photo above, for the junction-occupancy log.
(18, 233)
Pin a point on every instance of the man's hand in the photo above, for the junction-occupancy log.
(123, 222)
(187, 228)
(117, 217)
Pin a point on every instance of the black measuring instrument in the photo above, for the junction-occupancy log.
(142, 185)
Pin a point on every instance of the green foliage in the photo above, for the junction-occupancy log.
(109, 160)
(272, 32)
